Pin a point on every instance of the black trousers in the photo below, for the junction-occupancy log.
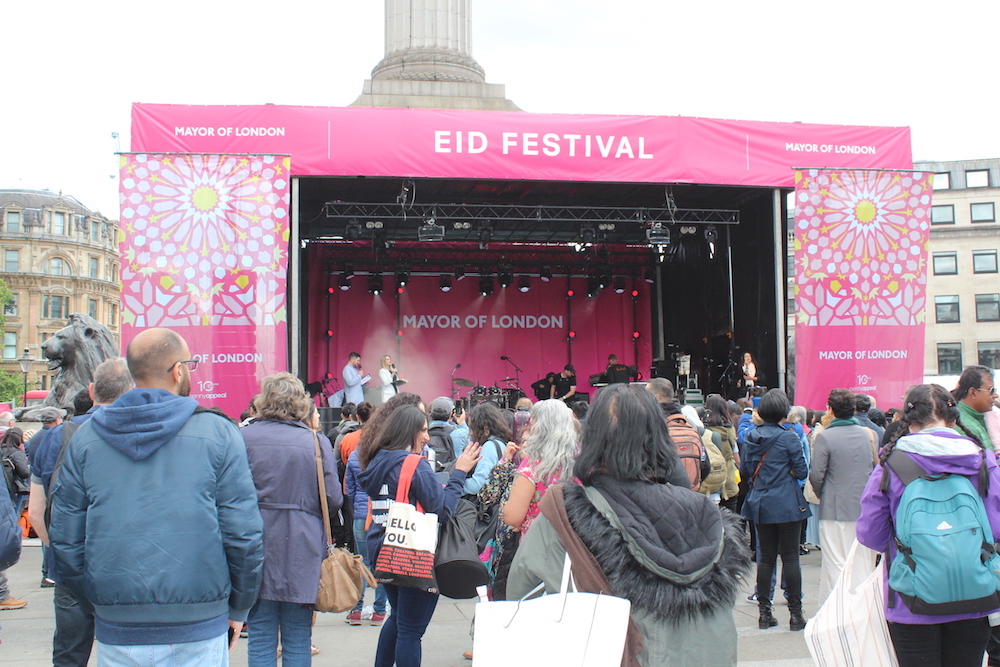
(955, 644)
(74, 635)
(773, 540)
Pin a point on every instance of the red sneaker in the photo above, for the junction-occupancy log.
(354, 618)
(377, 618)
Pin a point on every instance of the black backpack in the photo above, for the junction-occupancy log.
(440, 442)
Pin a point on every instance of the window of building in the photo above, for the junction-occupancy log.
(95, 266)
(946, 309)
(95, 230)
(113, 317)
(989, 354)
(55, 306)
(984, 261)
(949, 358)
(56, 267)
(13, 221)
(57, 223)
(942, 181)
(945, 263)
(92, 308)
(988, 307)
(11, 261)
(982, 212)
(978, 178)
(943, 215)
(9, 345)
(10, 308)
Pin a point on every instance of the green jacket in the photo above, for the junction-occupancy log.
(976, 423)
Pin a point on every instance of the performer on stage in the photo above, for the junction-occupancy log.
(564, 387)
(617, 373)
(354, 381)
(749, 373)
(390, 378)
(543, 387)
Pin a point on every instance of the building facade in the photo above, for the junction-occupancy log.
(59, 257)
(963, 283)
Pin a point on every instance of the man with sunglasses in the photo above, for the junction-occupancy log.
(155, 521)
(975, 393)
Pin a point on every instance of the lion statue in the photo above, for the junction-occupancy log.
(74, 352)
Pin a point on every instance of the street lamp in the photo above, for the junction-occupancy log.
(25, 362)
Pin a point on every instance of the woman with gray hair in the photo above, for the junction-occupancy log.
(281, 448)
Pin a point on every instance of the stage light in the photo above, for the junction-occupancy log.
(649, 275)
(430, 231)
(402, 275)
(603, 278)
(344, 283)
(571, 335)
(459, 273)
(353, 230)
(375, 283)
(400, 290)
(635, 334)
(524, 284)
(587, 234)
(505, 275)
(485, 235)
(658, 234)
(485, 285)
(329, 376)
(635, 293)
(619, 285)
(399, 332)
(593, 289)
(349, 270)
(445, 283)
(546, 274)
(329, 333)
(570, 293)
(330, 290)
(711, 234)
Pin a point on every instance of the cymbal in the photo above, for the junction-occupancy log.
(462, 382)
(509, 380)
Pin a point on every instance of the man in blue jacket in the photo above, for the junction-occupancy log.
(155, 520)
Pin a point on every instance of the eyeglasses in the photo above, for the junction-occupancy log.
(992, 390)
(192, 365)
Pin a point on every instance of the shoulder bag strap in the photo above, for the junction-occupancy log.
(322, 490)
(871, 439)
(405, 478)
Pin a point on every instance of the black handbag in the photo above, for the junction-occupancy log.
(457, 566)
(10, 536)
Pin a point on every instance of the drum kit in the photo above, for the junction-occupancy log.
(504, 397)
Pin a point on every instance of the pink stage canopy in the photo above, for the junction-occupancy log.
(434, 143)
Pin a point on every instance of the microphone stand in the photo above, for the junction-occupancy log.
(517, 373)
(454, 392)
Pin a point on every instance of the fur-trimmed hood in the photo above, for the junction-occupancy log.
(669, 550)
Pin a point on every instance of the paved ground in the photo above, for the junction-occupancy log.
(27, 633)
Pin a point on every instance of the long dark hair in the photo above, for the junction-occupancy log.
(625, 438)
(13, 438)
(367, 446)
(401, 428)
(718, 411)
(487, 420)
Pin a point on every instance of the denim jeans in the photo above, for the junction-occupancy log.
(774, 539)
(74, 636)
(954, 644)
(269, 620)
(207, 653)
(361, 538)
(399, 642)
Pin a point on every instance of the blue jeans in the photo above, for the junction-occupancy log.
(399, 642)
(74, 636)
(269, 619)
(207, 653)
(361, 538)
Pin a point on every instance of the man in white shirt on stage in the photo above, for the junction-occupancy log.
(354, 381)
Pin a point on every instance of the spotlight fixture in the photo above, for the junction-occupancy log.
(375, 283)
(344, 283)
(485, 285)
(593, 288)
(606, 226)
(430, 231)
(711, 234)
(348, 271)
(353, 230)
(603, 277)
(524, 284)
(546, 274)
(459, 272)
(505, 275)
(461, 225)
(619, 285)
(445, 283)
(373, 224)
(402, 275)
(485, 235)
(649, 275)
(587, 234)
(658, 234)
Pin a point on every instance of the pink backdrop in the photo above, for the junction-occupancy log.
(860, 279)
(204, 252)
(462, 327)
(512, 145)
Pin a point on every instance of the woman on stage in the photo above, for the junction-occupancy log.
(749, 373)
(390, 378)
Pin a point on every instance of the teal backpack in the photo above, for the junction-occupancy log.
(946, 560)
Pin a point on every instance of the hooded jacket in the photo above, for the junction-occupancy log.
(937, 451)
(775, 495)
(645, 537)
(155, 521)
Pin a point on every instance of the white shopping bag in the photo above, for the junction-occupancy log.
(849, 630)
(568, 629)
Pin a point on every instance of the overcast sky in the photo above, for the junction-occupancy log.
(73, 69)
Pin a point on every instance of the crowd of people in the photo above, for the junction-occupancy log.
(171, 531)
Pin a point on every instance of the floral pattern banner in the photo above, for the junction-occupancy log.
(204, 246)
(860, 243)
